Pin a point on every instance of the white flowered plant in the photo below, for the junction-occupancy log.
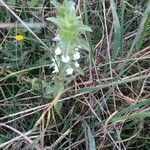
(69, 43)
(68, 38)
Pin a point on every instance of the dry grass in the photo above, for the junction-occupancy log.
(108, 108)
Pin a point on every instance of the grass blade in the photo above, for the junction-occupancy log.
(136, 45)
(91, 140)
(98, 87)
(117, 31)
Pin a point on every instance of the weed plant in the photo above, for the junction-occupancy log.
(75, 74)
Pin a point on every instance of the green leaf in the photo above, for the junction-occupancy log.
(137, 43)
(37, 139)
(49, 91)
(70, 7)
(38, 84)
(137, 115)
(11, 2)
(32, 3)
(145, 22)
(91, 140)
(54, 20)
(84, 45)
(79, 70)
(59, 85)
(56, 4)
(58, 107)
(65, 8)
(133, 107)
(117, 31)
(114, 83)
(66, 46)
(84, 28)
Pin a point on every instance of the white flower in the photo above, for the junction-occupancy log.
(56, 38)
(65, 59)
(76, 49)
(48, 19)
(56, 69)
(76, 56)
(79, 46)
(69, 71)
(57, 51)
(77, 64)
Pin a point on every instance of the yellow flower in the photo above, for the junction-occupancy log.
(19, 37)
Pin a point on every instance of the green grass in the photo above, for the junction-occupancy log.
(107, 108)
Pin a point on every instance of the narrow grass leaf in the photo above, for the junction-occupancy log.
(98, 87)
(133, 107)
(136, 45)
(139, 115)
(91, 140)
(88, 37)
(58, 107)
(92, 145)
(117, 31)
(38, 138)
